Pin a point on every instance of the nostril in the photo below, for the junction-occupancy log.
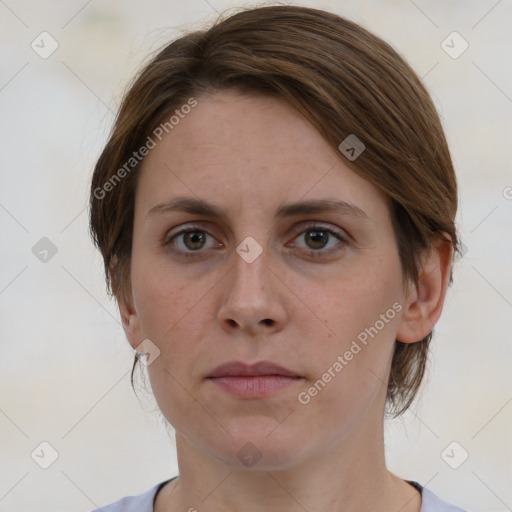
(268, 321)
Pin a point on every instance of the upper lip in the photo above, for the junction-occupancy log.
(238, 368)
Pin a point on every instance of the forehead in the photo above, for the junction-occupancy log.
(255, 150)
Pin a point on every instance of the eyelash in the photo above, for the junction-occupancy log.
(313, 227)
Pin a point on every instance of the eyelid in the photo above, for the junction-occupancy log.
(321, 226)
(182, 229)
(342, 236)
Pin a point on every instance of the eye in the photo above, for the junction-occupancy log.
(188, 241)
(317, 238)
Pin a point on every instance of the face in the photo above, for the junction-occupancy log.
(313, 289)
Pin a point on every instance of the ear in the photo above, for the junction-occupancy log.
(129, 319)
(424, 303)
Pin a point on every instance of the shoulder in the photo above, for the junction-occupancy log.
(138, 503)
(430, 502)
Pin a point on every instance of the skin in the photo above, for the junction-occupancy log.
(250, 155)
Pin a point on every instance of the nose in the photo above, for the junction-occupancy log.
(253, 298)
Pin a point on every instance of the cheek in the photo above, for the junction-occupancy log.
(360, 300)
(174, 315)
(361, 314)
(161, 298)
(351, 365)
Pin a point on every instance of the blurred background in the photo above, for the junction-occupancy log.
(73, 435)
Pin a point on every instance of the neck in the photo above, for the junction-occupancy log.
(350, 475)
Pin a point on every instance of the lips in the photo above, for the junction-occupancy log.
(240, 369)
(256, 381)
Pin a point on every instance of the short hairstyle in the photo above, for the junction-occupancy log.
(345, 81)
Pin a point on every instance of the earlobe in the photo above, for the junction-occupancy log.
(424, 303)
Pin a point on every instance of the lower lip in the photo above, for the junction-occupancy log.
(254, 387)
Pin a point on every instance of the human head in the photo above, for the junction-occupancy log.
(344, 81)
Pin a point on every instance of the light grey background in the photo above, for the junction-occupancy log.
(64, 365)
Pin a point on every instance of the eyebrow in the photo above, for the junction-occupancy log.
(201, 207)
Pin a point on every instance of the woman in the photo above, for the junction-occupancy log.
(275, 208)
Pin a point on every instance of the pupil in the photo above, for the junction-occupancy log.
(194, 238)
(318, 236)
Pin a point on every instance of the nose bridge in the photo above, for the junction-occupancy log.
(250, 272)
(251, 300)
(252, 254)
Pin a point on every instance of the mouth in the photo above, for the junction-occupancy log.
(253, 381)
(259, 369)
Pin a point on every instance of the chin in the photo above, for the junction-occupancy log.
(258, 456)
(260, 445)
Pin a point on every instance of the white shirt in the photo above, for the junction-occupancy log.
(144, 502)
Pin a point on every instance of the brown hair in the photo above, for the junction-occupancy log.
(345, 81)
